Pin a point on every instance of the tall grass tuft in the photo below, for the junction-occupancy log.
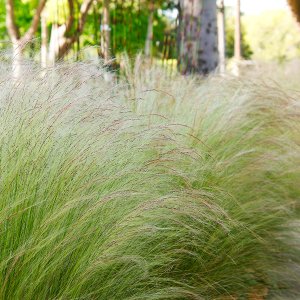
(149, 188)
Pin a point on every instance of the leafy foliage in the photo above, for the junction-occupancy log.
(128, 28)
(3, 34)
(246, 49)
(129, 21)
(273, 36)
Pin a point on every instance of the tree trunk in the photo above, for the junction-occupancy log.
(295, 7)
(149, 37)
(178, 34)
(63, 36)
(19, 42)
(221, 37)
(199, 43)
(237, 38)
(57, 41)
(189, 36)
(44, 40)
(208, 55)
(105, 32)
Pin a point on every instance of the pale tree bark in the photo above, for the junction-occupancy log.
(237, 39)
(199, 41)
(44, 39)
(149, 37)
(189, 35)
(221, 37)
(19, 42)
(57, 37)
(61, 39)
(237, 36)
(57, 41)
(105, 32)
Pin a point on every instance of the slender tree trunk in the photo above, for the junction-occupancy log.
(19, 41)
(221, 37)
(57, 40)
(237, 39)
(149, 37)
(53, 46)
(105, 32)
(44, 39)
(179, 36)
(199, 41)
(63, 36)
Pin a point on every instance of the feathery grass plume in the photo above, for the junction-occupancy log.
(178, 189)
(247, 132)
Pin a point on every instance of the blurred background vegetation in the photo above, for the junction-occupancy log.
(272, 35)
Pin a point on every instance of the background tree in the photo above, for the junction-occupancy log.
(151, 6)
(295, 7)
(19, 41)
(136, 26)
(105, 32)
(3, 31)
(130, 24)
(149, 36)
(237, 31)
(44, 39)
(246, 50)
(222, 36)
(198, 36)
(63, 36)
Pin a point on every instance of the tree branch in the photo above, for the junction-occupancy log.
(84, 9)
(11, 25)
(69, 41)
(35, 22)
(70, 21)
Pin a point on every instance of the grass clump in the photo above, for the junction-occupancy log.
(154, 189)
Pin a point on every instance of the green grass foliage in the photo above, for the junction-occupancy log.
(149, 188)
